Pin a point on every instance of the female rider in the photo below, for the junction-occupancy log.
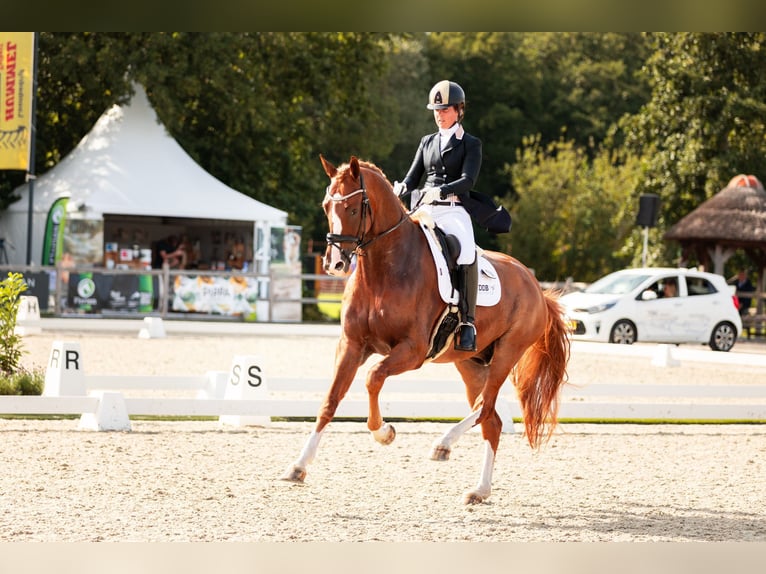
(450, 160)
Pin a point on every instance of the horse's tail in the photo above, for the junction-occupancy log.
(540, 374)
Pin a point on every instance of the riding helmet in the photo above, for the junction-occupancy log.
(445, 94)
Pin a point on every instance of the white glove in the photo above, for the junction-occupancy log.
(431, 195)
(400, 188)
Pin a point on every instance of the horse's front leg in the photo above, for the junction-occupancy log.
(381, 431)
(348, 359)
(402, 358)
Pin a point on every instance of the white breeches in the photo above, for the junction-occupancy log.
(454, 220)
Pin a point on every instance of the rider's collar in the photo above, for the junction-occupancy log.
(445, 135)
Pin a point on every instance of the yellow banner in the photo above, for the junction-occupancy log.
(16, 79)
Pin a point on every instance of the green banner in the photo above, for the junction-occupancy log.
(53, 240)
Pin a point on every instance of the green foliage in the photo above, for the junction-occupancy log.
(256, 110)
(573, 215)
(23, 382)
(524, 84)
(706, 119)
(10, 343)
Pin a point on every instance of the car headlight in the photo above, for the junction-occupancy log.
(600, 308)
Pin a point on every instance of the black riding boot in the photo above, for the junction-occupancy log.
(469, 286)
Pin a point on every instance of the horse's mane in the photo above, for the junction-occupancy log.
(344, 173)
(343, 170)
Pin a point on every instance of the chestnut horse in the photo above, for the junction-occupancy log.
(391, 305)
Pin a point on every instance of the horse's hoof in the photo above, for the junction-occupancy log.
(385, 435)
(472, 498)
(440, 452)
(295, 475)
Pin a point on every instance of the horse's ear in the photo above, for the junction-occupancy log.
(353, 163)
(329, 168)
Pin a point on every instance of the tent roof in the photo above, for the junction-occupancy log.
(129, 165)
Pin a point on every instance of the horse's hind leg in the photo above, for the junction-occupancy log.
(443, 446)
(482, 386)
(474, 376)
(490, 429)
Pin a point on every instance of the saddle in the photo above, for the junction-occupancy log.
(445, 250)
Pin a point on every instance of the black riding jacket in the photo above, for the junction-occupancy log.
(453, 170)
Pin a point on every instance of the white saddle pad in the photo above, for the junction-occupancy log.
(489, 284)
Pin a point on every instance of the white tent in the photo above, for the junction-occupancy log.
(128, 165)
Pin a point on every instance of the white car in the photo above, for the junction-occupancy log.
(631, 305)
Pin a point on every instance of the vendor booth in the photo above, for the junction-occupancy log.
(127, 189)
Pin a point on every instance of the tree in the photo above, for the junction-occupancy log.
(254, 109)
(574, 214)
(547, 84)
(706, 119)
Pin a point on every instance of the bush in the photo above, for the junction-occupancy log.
(23, 382)
(10, 343)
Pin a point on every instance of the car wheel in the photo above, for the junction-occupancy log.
(623, 332)
(723, 337)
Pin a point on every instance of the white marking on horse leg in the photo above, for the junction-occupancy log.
(309, 450)
(484, 488)
(453, 434)
(297, 472)
(385, 434)
(485, 480)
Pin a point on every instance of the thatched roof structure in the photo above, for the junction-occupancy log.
(734, 218)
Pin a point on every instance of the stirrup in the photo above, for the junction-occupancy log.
(466, 339)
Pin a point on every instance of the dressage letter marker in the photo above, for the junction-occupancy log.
(28, 316)
(246, 382)
(64, 375)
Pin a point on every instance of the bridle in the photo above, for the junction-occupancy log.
(359, 241)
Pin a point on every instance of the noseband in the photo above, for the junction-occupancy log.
(359, 240)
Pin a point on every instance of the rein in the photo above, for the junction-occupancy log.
(358, 240)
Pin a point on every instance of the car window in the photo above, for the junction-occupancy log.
(616, 284)
(655, 287)
(699, 286)
(664, 288)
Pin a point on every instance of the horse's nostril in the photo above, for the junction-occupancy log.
(339, 266)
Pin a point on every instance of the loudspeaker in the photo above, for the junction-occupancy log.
(648, 210)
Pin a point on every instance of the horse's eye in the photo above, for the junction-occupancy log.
(354, 211)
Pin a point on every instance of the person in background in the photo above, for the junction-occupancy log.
(744, 285)
(670, 288)
(185, 252)
(171, 253)
(236, 256)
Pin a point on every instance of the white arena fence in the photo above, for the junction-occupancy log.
(245, 395)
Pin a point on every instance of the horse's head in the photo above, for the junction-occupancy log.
(347, 208)
(361, 208)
